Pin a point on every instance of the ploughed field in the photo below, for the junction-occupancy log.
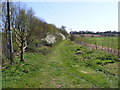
(66, 65)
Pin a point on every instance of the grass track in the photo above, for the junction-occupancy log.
(62, 68)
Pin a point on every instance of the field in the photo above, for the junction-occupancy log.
(67, 65)
(110, 42)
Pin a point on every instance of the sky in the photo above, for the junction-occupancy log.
(78, 16)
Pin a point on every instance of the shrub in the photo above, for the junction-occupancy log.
(72, 37)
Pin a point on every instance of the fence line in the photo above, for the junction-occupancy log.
(102, 48)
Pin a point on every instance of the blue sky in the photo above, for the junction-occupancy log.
(76, 16)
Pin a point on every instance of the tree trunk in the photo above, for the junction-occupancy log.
(22, 52)
(9, 35)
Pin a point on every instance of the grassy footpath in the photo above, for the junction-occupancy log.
(67, 66)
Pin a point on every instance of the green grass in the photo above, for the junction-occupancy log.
(110, 42)
(63, 68)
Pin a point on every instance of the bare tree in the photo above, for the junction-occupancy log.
(21, 32)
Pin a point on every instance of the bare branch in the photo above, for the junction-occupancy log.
(18, 39)
(17, 33)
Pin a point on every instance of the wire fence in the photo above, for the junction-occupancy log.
(104, 43)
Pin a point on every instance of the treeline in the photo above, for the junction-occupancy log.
(26, 30)
(91, 32)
